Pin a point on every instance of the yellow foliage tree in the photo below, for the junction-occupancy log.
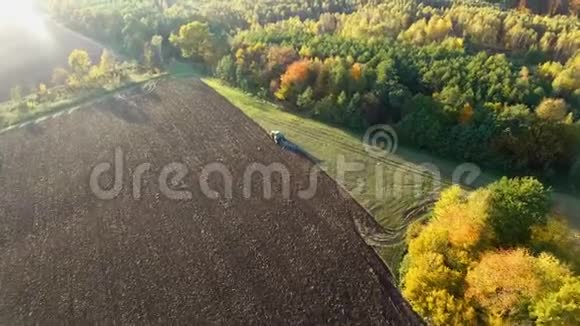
(561, 307)
(550, 69)
(356, 71)
(42, 90)
(502, 281)
(79, 61)
(568, 79)
(433, 289)
(449, 198)
(552, 109)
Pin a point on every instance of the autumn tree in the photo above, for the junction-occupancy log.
(279, 57)
(561, 307)
(454, 273)
(293, 80)
(566, 79)
(575, 7)
(440, 255)
(80, 64)
(79, 61)
(501, 282)
(552, 109)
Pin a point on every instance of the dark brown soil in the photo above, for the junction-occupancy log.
(67, 257)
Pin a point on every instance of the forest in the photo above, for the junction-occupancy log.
(491, 82)
(466, 80)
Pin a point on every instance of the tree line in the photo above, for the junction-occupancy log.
(476, 106)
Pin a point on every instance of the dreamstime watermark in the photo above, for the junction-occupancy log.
(381, 141)
(172, 177)
(378, 171)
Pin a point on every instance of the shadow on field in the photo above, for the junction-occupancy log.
(154, 97)
(125, 110)
(294, 148)
(34, 129)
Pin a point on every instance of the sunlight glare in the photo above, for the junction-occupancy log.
(22, 14)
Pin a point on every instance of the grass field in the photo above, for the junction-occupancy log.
(404, 179)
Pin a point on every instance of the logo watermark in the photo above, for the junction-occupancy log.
(376, 172)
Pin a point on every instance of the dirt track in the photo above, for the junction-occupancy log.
(68, 257)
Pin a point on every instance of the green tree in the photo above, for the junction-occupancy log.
(226, 69)
(516, 205)
(195, 41)
(306, 99)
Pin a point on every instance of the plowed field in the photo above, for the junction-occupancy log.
(68, 257)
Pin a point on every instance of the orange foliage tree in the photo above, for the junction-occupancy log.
(293, 79)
